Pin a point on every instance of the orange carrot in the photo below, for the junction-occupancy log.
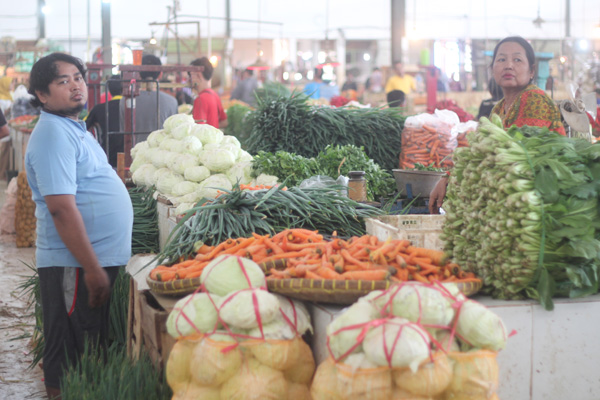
(348, 257)
(312, 275)
(328, 273)
(273, 246)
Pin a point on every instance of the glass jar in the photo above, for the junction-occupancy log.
(357, 186)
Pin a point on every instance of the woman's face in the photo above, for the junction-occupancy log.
(511, 68)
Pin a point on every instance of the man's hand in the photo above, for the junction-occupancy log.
(437, 195)
(98, 286)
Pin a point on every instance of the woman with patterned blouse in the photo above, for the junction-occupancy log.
(513, 69)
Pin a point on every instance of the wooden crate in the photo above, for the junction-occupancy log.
(147, 327)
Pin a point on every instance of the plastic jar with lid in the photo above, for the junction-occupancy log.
(357, 186)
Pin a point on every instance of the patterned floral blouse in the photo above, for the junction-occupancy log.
(532, 107)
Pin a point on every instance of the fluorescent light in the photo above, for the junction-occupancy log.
(366, 56)
(46, 10)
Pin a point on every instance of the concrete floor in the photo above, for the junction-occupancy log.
(17, 381)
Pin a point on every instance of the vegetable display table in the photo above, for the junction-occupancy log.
(552, 355)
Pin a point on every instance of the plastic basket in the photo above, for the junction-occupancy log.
(414, 183)
(421, 230)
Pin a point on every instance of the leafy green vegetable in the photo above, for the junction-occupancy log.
(289, 123)
(236, 125)
(522, 212)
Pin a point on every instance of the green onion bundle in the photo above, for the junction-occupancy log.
(522, 212)
(144, 238)
(289, 123)
(240, 213)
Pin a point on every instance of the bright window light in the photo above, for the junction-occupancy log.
(584, 45)
(366, 57)
(298, 76)
(46, 10)
(286, 76)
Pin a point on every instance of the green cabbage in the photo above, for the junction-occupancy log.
(182, 130)
(178, 119)
(144, 175)
(268, 180)
(183, 188)
(210, 187)
(191, 145)
(217, 160)
(155, 138)
(418, 303)
(244, 156)
(207, 133)
(197, 173)
(341, 340)
(248, 308)
(183, 161)
(480, 327)
(240, 172)
(139, 149)
(405, 343)
(227, 273)
(166, 181)
(193, 314)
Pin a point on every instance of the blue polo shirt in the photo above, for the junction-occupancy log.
(63, 158)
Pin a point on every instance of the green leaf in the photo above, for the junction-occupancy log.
(546, 183)
(546, 288)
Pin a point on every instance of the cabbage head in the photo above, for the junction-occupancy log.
(240, 172)
(343, 341)
(248, 308)
(480, 327)
(405, 343)
(155, 138)
(144, 175)
(138, 162)
(227, 273)
(191, 145)
(183, 188)
(244, 156)
(182, 130)
(211, 186)
(183, 161)
(193, 314)
(207, 133)
(419, 303)
(165, 183)
(217, 160)
(267, 180)
(162, 158)
(196, 173)
(139, 149)
(182, 208)
(178, 119)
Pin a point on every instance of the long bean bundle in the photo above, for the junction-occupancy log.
(144, 238)
(522, 212)
(289, 123)
(240, 213)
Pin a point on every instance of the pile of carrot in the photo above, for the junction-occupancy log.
(427, 145)
(301, 253)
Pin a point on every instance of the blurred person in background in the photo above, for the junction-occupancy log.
(313, 89)
(400, 80)
(146, 103)
(208, 108)
(486, 106)
(6, 98)
(244, 90)
(22, 103)
(374, 83)
(97, 119)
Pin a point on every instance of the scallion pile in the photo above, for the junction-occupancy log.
(144, 238)
(522, 212)
(239, 213)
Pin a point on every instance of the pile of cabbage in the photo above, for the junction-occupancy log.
(407, 339)
(235, 339)
(187, 162)
(522, 212)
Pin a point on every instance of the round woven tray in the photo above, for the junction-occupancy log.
(179, 287)
(317, 290)
(341, 292)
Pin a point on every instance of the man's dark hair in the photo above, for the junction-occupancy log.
(150, 59)
(208, 68)
(115, 87)
(44, 71)
(395, 98)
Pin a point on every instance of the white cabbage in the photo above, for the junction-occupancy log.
(139, 149)
(196, 173)
(138, 162)
(227, 273)
(183, 188)
(165, 183)
(143, 176)
(211, 186)
(247, 308)
(176, 120)
(419, 303)
(397, 342)
(217, 160)
(240, 172)
(193, 314)
(183, 161)
(155, 138)
(207, 133)
(346, 341)
(182, 130)
(480, 327)
(244, 156)
(182, 208)
(191, 145)
(267, 180)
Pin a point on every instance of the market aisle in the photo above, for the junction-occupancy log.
(17, 381)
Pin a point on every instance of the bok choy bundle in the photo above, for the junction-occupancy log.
(522, 212)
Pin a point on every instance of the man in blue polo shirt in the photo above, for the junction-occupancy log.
(84, 216)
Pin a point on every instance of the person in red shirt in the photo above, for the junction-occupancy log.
(207, 106)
